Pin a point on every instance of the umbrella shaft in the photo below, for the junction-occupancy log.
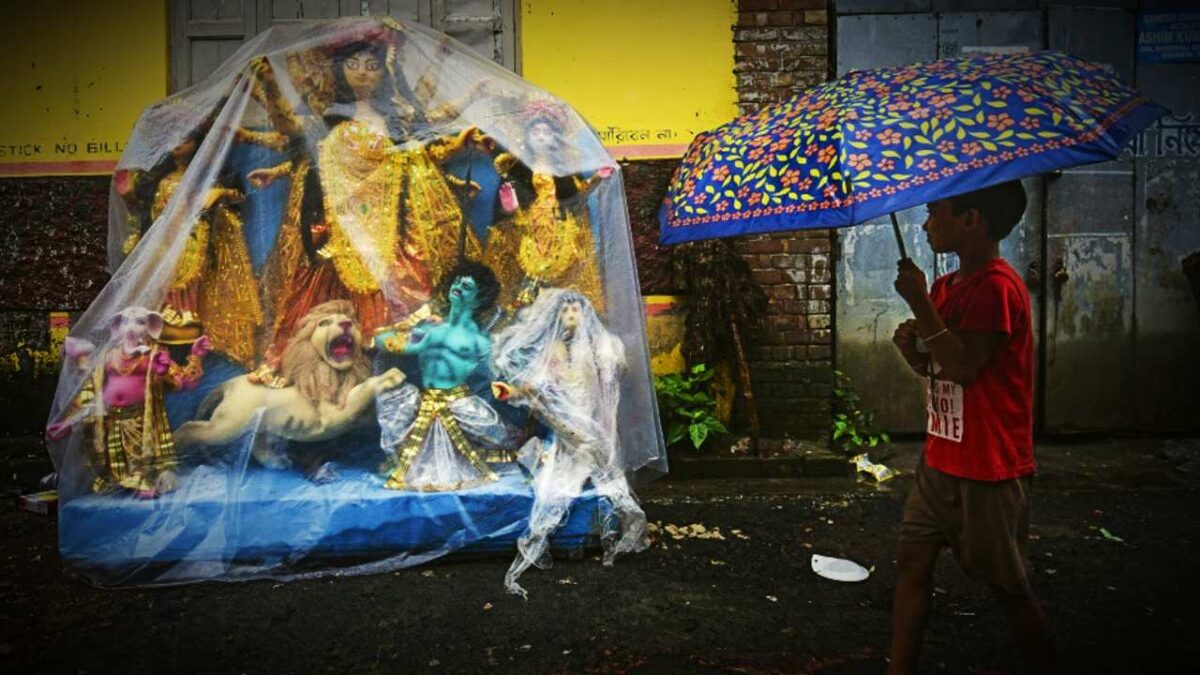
(899, 237)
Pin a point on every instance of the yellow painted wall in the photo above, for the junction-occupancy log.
(647, 75)
(74, 76)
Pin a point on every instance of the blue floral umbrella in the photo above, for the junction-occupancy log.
(882, 140)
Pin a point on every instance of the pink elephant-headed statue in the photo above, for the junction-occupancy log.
(130, 442)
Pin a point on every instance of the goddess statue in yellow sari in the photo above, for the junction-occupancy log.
(212, 288)
(546, 239)
(377, 214)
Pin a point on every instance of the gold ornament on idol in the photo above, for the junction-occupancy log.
(361, 171)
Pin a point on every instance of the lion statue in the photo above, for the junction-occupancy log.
(327, 388)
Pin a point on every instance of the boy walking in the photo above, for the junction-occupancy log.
(972, 487)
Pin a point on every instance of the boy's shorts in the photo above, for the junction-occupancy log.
(985, 524)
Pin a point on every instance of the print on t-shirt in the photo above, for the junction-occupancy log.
(944, 408)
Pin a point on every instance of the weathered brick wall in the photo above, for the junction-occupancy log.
(645, 184)
(781, 48)
(52, 259)
(791, 362)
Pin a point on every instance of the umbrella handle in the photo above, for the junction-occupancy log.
(899, 239)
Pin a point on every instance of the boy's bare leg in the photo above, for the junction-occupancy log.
(910, 608)
(1029, 627)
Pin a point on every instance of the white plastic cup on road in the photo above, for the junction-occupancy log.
(838, 569)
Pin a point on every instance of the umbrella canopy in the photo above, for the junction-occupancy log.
(882, 140)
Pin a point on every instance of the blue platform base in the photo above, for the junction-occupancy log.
(264, 522)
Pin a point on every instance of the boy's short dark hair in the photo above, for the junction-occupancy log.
(1002, 205)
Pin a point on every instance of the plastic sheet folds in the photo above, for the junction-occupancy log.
(373, 301)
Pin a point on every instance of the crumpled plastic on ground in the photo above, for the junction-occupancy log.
(879, 472)
(566, 368)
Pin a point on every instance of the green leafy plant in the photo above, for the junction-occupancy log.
(726, 309)
(688, 409)
(853, 427)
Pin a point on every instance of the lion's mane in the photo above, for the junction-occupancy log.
(307, 369)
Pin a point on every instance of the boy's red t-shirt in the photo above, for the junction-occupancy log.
(984, 431)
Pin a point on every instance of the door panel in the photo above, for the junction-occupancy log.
(1088, 362)
(275, 12)
(405, 10)
(1089, 341)
(1167, 228)
(204, 32)
(982, 5)
(868, 308)
(880, 40)
(961, 33)
(479, 24)
(882, 6)
(1102, 35)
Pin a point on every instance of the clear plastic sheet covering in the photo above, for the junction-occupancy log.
(373, 301)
